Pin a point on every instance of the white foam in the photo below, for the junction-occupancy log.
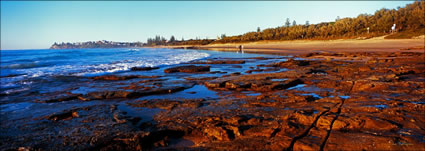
(11, 91)
(163, 58)
(143, 62)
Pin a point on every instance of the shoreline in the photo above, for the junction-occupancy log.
(235, 102)
(294, 47)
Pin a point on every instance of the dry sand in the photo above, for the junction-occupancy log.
(378, 44)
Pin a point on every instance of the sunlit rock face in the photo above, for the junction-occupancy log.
(355, 101)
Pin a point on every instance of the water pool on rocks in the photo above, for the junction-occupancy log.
(223, 100)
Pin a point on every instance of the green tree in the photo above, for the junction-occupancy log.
(408, 18)
(223, 36)
(287, 23)
(172, 39)
(337, 18)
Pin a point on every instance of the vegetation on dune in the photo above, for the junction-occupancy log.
(406, 34)
(196, 42)
(403, 22)
(409, 21)
(158, 40)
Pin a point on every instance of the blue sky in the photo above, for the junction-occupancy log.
(38, 24)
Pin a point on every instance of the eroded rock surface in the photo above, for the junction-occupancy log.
(188, 69)
(143, 68)
(321, 101)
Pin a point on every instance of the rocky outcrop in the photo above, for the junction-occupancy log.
(188, 69)
(143, 68)
(322, 101)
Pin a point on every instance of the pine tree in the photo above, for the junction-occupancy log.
(172, 39)
(287, 23)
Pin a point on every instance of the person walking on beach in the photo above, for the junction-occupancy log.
(240, 49)
(393, 28)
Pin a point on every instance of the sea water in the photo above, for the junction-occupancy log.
(31, 75)
(22, 70)
(34, 63)
(17, 65)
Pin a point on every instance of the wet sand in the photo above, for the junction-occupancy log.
(314, 101)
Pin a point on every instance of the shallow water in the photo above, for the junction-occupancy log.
(28, 75)
(25, 69)
(196, 92)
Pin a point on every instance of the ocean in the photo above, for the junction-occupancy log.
(35, 70)
(19, 65)
(30, 76)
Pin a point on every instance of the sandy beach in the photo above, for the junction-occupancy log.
(377, 44)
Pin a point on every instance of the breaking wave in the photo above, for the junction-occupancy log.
(86, 62)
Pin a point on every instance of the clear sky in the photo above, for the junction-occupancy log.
(38, 24)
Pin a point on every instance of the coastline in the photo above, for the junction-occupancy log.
(238, 76)
(236, 101)
(294, 47)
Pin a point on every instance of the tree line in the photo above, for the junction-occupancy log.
(410, 18)
(159, 40)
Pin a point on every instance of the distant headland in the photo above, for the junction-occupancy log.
(96, 44)
(152, 42)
